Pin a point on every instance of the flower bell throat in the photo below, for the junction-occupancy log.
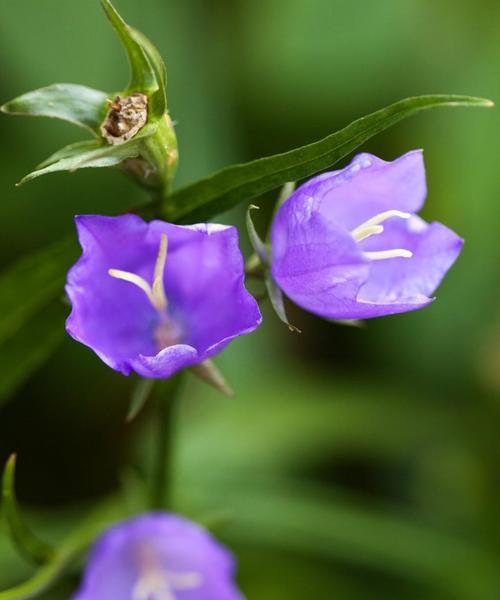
(166, 333)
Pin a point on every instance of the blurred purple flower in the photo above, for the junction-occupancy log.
(158, 556)
(142, 311)
(347, 244)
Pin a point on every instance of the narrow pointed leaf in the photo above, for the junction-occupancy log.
(27, 543)
(32, 345)
(257, 244)
(142, 76)
(240, 183)
(32, 283)
(68, 553)
(77, 104)
(314, 522)
(75, 157)
(71, 150)
(278, 302)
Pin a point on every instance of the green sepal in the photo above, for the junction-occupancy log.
(77, 104)
(229, 187)
(25, 541)
(142, 75)
(278, 302)
(257, 244)
(356, 323)
(140, 395)
(158, 99)
(286, 191)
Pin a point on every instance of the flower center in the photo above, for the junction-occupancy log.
(156, 292)
(155, 583)
(373, 227)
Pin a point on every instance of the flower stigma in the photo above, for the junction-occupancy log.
(155, 293)
(155, 583)
(373, 227)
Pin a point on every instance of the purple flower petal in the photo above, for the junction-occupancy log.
(435, 248)
(208, 304)
(369, 186)
(323, 266)
(157, 554)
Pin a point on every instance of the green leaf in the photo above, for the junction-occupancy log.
(77, 104)
(278, 302)
(30, 348)
(26, 542)
(71, 150)
(69, 552)
(240, 183)
(32, 283)
(142, 75)
(311, 521)
(79, 156)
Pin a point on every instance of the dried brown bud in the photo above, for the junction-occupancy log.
(125, 118)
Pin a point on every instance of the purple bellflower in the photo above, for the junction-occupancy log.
(141, 310)
(348, 245)
(158, 556)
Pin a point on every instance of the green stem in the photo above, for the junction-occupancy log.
(161, 483)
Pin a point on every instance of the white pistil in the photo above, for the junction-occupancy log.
(373, 227)
(156, 292)
(158, 287)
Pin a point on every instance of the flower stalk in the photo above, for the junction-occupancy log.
(165, 401)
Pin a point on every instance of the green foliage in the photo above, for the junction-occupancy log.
(68, 552)
(27, 543)
(87, 108)
(241, 183)
(85, 155)
(31, 312)
(263, 442)
(69, 102)
(142, 74)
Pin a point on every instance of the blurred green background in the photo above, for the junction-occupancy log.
(353, 463)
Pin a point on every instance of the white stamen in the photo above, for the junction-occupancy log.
(156, 293)
(136, 280)
(369, 228)
(156, 585)
(184, 581)
(383, 254)
(367, 232)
